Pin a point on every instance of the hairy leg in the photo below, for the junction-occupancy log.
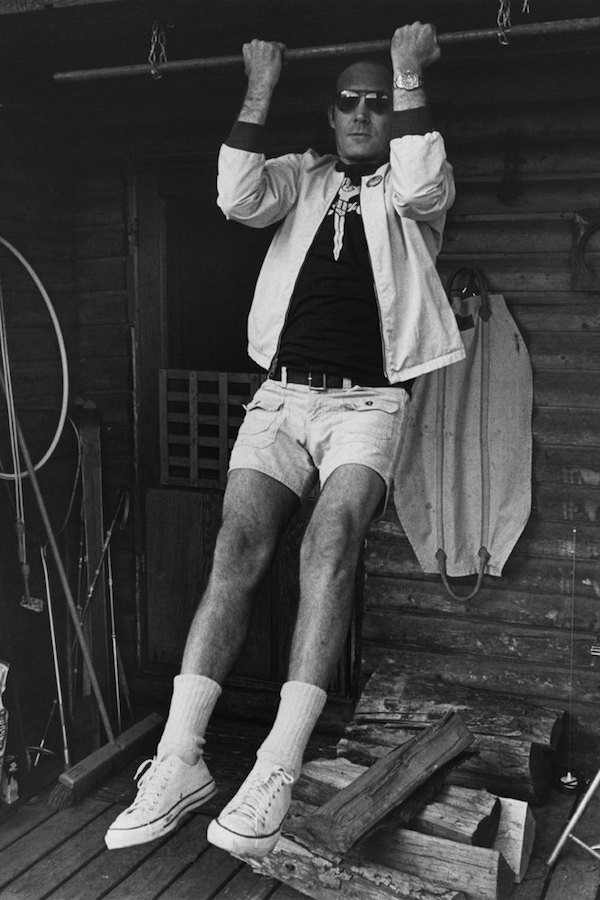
(255, 510)
(328, 559)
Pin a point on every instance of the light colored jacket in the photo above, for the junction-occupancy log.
(403, 207)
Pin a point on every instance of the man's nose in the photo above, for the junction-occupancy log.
(361, 110)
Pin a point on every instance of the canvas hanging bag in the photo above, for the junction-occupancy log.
(463, 484)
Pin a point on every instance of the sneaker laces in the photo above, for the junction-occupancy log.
(150, 788)
(259, 795)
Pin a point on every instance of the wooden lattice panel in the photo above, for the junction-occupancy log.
(200, 413)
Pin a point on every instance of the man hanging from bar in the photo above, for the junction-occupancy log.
(348, 310)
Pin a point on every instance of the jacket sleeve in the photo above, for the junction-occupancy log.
(422, 179)
(256, 191)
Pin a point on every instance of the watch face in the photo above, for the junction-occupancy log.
(407, 80)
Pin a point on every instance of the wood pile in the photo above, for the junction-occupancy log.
(396, 829)
(514, 739)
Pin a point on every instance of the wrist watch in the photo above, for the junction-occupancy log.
(407, 80)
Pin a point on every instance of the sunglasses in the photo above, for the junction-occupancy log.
(377, 101)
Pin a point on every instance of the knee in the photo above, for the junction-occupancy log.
(332, 542)
(242, 547)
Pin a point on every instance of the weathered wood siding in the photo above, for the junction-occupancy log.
(103, 272)
(523, 136)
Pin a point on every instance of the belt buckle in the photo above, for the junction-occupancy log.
(312, 387)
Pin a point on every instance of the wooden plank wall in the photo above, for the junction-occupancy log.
(523, 137)
(103, 269)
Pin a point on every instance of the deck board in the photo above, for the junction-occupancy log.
(65, 861)
(23, 819)
(170, 859)
(247, 885)
(285, 892)
(205, 876)
(46, 840)
(104, 872)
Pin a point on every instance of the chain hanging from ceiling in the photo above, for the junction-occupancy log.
(158, 49)
(503, 19)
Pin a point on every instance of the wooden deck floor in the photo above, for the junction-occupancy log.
(60, 854)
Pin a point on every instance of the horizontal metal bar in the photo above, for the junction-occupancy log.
(560, 26)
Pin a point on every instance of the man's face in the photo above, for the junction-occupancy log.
(363, 135)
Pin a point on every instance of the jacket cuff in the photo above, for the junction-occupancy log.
(247, 136)
(411, 121)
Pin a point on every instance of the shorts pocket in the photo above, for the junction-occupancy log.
(261, 423)
(371, 418)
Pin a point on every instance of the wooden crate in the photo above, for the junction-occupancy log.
(199, 414)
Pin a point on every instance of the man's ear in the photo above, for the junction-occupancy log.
(331, 117)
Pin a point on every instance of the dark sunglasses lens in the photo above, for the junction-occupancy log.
(347, 101)
(379, 105)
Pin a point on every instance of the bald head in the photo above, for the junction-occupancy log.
(376, 75)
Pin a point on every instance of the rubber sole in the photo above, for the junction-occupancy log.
(239, 844)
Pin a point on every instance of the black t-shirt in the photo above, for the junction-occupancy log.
(333, 321)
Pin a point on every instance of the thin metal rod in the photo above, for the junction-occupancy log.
(123, 498)
(57, 675)
(561, 26)
(113, 635)
(594, 785)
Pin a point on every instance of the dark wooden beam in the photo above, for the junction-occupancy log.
(20, 6)
(62, 4)
(10, 7)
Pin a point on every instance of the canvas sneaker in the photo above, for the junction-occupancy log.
(250, 824)
(168, 790)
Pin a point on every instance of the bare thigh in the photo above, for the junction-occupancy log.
(256, 507)
(255, 510)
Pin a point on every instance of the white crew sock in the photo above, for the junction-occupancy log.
(299, 710)
(194, 698)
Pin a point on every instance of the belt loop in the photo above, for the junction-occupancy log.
(346, 383)
(284, 376)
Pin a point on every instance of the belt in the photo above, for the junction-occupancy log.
(317, 381)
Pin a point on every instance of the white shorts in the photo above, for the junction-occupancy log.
(297, 434)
